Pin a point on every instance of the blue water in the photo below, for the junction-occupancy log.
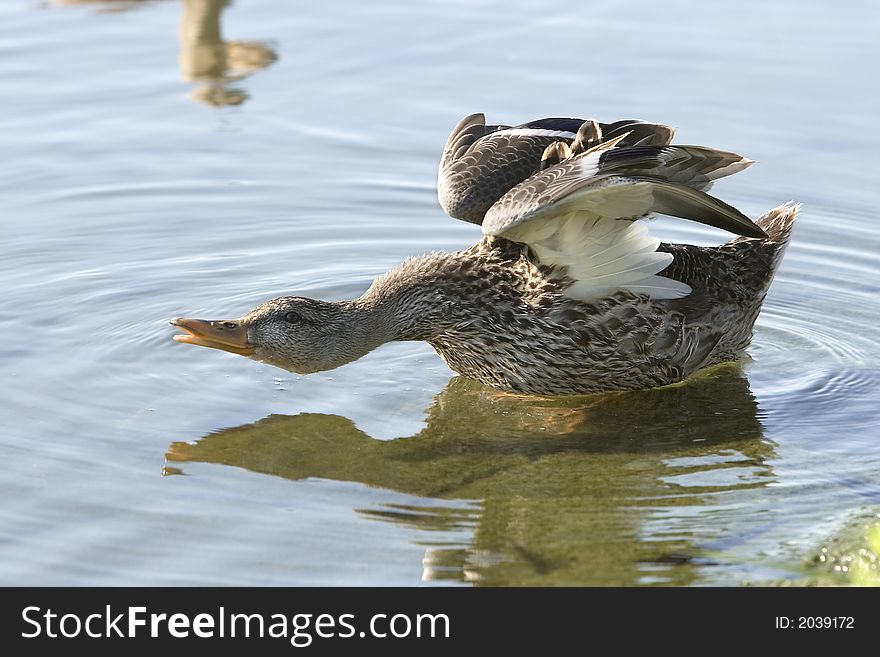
(196, 158)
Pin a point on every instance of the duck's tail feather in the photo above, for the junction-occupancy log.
(765, 254)
(778, 224)
(752, 263)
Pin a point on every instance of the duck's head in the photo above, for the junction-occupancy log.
(295, 333)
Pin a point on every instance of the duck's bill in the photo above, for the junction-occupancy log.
(228, 335)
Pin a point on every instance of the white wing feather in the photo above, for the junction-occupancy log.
(602, 253)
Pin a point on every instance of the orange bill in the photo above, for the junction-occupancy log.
(229, 335)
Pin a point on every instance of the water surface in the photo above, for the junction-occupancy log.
(198, 157)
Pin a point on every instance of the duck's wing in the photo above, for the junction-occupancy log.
(481, 162)
(580, 214)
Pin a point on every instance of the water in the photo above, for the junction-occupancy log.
(152, 171)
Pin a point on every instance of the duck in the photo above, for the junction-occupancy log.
(565, 292)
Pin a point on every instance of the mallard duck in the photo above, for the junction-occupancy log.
(565, 293)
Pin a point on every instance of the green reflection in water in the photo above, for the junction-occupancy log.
(850, 557)
(562, 489)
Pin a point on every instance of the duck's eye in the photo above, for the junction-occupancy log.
(292, 317)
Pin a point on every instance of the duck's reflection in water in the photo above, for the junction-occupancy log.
(206, 59)
(212, 63)
(548, 491)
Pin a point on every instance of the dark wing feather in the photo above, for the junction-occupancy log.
(481, 162)
(464, 135)
(694, 166)
(555, 123)
(688, 203)
(668, 170)
(543, 190)
(641, 133)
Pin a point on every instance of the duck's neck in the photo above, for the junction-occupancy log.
(414, 301)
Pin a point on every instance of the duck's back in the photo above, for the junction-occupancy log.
(522, 333)
(729, 282)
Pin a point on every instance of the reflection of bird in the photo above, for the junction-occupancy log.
(566, 486)
(565, 293)
(207, 59)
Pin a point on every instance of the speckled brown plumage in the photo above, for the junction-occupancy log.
(496, 317)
